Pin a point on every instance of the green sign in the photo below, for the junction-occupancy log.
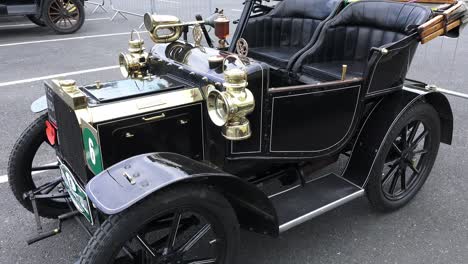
(92, 151)
(77, 194)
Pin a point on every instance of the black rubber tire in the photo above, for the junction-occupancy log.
(117, 229)
(19, 168)
(54, 27)
(430, 118)
(36, 20)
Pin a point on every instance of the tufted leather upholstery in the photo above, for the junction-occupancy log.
(349, 37)
(278, 37)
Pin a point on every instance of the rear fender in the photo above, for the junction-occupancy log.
(127, 182)
(379, 122)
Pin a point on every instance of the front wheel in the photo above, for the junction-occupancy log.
(33, 163)
(63, 16)
(405, 160)
(186, 224)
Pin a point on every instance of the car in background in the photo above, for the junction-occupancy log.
(62, 16)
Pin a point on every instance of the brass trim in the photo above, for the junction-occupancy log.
(70, 94)
(140, 105)
(156, 117)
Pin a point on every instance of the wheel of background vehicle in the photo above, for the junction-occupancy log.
(406, 158)
(63, 16)
(36, 20)
(185, 224)
(26, 169)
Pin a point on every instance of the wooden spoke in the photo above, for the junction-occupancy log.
(419, 139)
(394, 182)
(146, 246)
(394, 145)
(195, 238)
(393, 168)
(174, 229)
(201, 261)
(421, 151)
(403, 181)
(414, 131)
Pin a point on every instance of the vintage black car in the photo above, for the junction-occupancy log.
(62, 16)
(199, 141)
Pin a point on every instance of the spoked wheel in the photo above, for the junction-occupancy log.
(406, 159)
(64, 16)
(190, 224)
(33, 164)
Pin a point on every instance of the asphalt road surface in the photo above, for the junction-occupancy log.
(431, 229)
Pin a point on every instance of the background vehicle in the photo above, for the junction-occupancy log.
(172, 160)
(62, 16)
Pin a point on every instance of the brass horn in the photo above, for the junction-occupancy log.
(163, 28)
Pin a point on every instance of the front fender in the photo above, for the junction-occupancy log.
(39, 104)
(132, 180)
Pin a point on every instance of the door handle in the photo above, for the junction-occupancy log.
(156, 117)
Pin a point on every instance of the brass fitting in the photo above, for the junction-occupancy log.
(70, 93)
(133, 64)
(229, 108)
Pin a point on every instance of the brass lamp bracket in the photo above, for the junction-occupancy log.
(230, 107)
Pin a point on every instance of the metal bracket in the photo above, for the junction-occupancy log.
(435, 88)
(42, 192)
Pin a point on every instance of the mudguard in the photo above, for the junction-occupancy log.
(132, 180)
(39, 104)
(379, 122)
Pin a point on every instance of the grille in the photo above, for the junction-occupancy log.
(70, 146)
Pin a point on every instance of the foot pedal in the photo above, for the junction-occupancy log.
(301, 203)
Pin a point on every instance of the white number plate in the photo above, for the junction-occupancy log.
(77, 194)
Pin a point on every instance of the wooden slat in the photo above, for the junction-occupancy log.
(440, 32)
(429, 30)
(439, 18)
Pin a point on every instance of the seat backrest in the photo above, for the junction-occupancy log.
(292, 23)
(351, 34)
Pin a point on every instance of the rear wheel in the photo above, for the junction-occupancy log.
(63, 16)
(187, 224)
(405, 159)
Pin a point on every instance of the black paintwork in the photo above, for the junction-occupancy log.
(304, 115)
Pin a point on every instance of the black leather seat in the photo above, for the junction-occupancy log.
(279, 37)
(350, 35)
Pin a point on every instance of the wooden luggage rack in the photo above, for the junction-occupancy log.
(448, 16)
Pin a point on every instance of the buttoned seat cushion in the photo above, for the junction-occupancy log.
(350, 35)
(278, 37)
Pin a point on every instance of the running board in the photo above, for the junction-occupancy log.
(302, 203)
(22, 9)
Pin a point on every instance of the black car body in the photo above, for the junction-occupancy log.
(323, 80)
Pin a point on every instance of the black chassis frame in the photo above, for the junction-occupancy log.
(369, 117)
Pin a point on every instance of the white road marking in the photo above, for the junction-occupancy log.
(58, 75)
(169, 1)
(66, 39)
(4, 178)
(237, 10)
(31, 24)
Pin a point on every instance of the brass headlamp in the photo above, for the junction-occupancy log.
(133, 64)
(229, 108)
